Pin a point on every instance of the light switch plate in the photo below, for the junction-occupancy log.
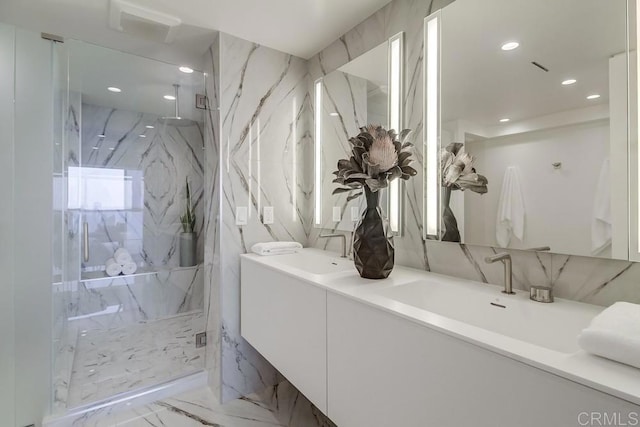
(241, 215)
(355, 213)
(337, 215)
(267, 215)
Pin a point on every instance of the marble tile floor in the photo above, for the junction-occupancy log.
(118, 360)
(281, 405)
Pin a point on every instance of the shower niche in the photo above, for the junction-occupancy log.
(132, 140)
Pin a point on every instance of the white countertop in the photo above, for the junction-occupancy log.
(610, 377)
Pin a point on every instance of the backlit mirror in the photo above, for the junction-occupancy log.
(366, 90)
(531, 133)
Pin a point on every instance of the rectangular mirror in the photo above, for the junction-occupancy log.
(366, 90)
(532, 126)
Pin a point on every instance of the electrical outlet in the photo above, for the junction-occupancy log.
(241, 215)
(267, 215)
(355, 213)
(337, 214)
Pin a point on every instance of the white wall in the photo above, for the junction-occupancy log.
(558, 202)
(7, 349)
(33, 226)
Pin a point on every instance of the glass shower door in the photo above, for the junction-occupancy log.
(130, 149)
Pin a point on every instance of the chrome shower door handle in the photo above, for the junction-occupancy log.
(85, 238)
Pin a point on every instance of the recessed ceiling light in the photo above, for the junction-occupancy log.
(510, 45)
(112, 148)
(569, 82)
(334, 114)
(142, 136)
(95, 148)
(504, 120)
(594, 96)
(101, 136)
(114, 89)
(170, 97)
(149, 127)
(186, 69)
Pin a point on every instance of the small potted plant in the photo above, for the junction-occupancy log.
(188, 236)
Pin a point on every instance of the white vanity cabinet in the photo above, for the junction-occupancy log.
(384, 370)
(285, 320)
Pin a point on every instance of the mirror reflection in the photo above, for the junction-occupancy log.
(534, 125)
(353, 96)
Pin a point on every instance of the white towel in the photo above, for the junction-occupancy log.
(122, 256)
(112, 267)
(511, 213)
(601, 220)
(276, 248)
(129, 267)
(615, 334)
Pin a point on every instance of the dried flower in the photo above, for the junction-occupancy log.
(458, 172)
(377, 157)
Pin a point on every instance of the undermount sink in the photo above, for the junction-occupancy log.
(554, 326)
(315, 262)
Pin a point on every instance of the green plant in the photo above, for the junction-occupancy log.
(188, 220)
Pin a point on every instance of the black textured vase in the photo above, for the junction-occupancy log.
(372, 241)
(451, 233)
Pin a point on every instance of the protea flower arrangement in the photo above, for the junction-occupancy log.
(457, 173)
(378, 156)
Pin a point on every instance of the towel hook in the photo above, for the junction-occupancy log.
(556, 165)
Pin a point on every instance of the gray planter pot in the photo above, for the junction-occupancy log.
(188, 249)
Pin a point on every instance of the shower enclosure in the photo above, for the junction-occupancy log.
(129, 137)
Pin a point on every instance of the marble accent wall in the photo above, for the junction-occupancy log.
(592, 280)
(259, 137)
(212, 200)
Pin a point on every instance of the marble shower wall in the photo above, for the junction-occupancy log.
(157, 165)
(593, 280)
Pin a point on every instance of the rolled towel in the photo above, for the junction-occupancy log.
(129, 267)
(122, 256)
(615, 334)
(112, 267)
(276, 248)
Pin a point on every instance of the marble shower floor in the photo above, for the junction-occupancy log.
(112, 361)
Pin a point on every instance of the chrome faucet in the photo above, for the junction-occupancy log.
(344, 242)
(506, 260)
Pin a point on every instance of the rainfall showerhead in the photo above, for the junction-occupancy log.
(176, 120)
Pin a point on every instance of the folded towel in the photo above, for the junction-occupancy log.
(129, 267)
(122, 256)
(112, 267)
(615, 334)
(276, 248)
(511, 213)
(601, 220)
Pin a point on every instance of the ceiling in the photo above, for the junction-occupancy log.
(298, 27)
(143, 82)
(482, 84)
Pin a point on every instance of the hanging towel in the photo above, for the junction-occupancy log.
(510, 220)
(614, 334)
(276, 248)
(601, 220)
